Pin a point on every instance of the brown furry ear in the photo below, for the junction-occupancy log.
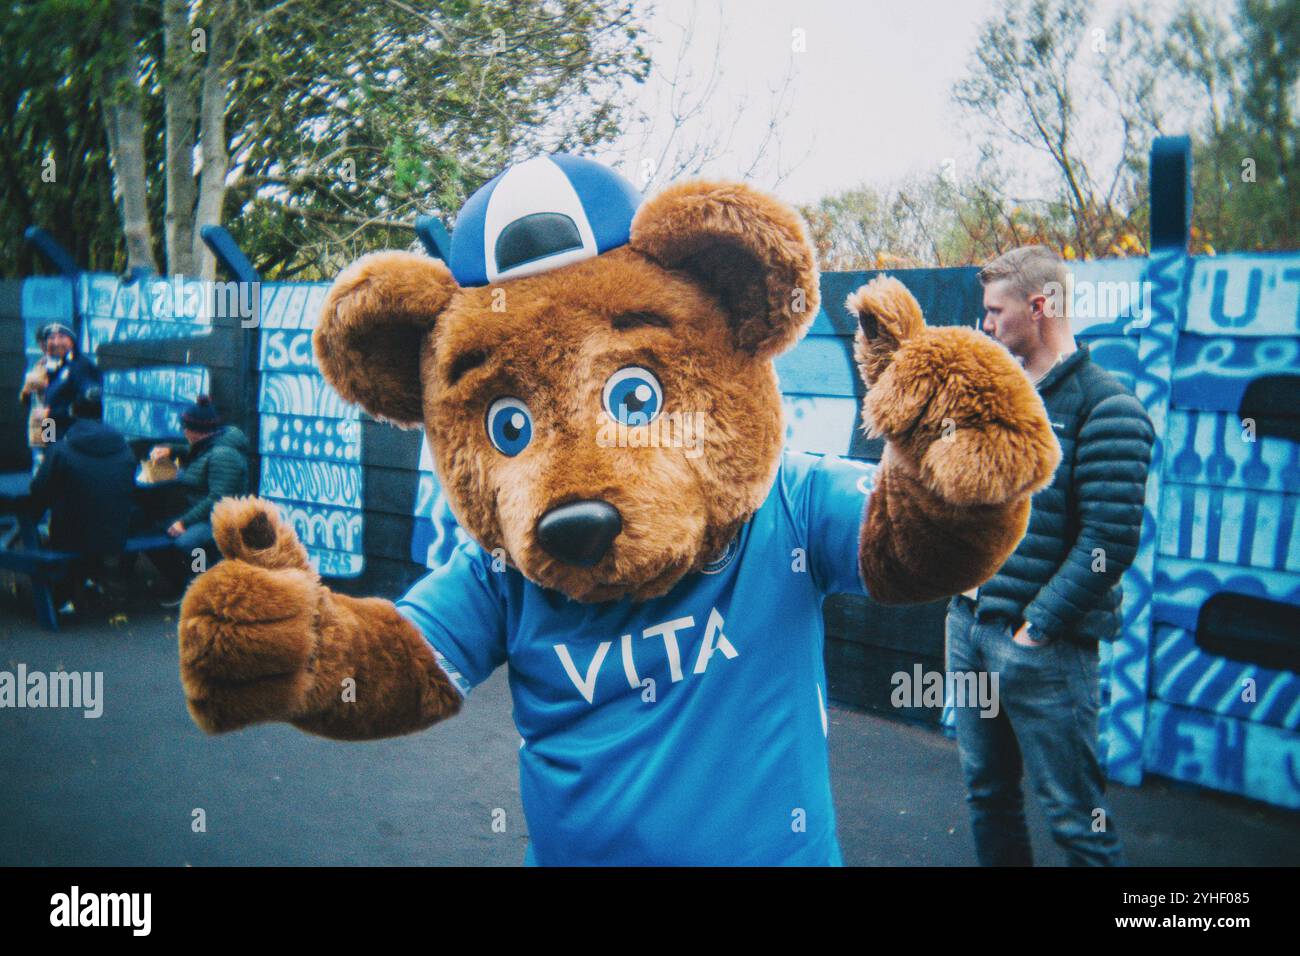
(374, 319)
(749, 249)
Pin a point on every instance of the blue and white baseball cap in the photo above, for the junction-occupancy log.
(545, 213)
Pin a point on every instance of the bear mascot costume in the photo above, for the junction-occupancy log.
(659, 603)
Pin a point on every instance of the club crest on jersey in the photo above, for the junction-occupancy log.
(542, 214)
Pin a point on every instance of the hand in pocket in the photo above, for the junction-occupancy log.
(1022, 637)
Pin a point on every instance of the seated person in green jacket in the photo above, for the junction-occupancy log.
(214, 466)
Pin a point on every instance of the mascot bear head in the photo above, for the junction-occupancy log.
(594, 374)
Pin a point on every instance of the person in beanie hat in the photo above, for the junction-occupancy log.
(214, 466)
(68, 373)
(201, 417)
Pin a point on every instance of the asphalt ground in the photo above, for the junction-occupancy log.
(126, 788)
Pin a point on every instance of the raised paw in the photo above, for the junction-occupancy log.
(248, 626)
(962, 410)
(251, 530)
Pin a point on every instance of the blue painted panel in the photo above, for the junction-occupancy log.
(147, 401)
(1251, 759)
(1213, 448)
(1183, 586)
(143, 417)
(287, 311)
(1228, 524)
(1213, 372)
(1184, 674)
(1123, 725)
(195, 302)
(317, 482)
(96, 293)
(43, 299)
(303, 436)
(1257, 529)
(1245, 295)
(1108, 297)
(284, 350)
(166, 383)
(436, 533)
(321, 527)
(128, 302)
(310, 438)
(820, 365)
(294, 305)
(275, 298)
(100, 331)
(336, 564)
(1117, 355)
(296, 393)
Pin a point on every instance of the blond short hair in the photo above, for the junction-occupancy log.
(1031, 270)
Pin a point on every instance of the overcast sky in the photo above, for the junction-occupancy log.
(870, 94)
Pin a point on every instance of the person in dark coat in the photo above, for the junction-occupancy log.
(214, 466)
(86, 482)
(69, 373)
(1036, 624)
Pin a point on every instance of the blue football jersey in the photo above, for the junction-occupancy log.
(689, 729)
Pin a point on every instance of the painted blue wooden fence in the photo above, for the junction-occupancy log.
(310, 439)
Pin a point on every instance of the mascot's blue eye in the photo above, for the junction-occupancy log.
(509, 425)
(633, 396)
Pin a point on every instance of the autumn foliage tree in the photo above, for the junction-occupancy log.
(1064, 109)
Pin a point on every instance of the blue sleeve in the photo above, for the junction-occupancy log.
(460, 611)
(828, 501)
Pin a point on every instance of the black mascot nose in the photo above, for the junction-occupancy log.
(579, 532)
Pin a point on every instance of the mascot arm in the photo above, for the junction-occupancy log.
(261, 639)
(968, 444)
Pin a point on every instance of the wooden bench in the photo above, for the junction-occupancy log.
(44, 568)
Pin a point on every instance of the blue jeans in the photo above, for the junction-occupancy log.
(198, 536)
(1046, 723)
(176, 564)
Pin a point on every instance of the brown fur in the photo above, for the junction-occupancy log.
(916, 547)
(261, 639)
(748, 249)
(554, 347)
(716, 280)
(382, 306)
(969, 442)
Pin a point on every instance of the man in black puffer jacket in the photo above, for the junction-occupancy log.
(1036, 623)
